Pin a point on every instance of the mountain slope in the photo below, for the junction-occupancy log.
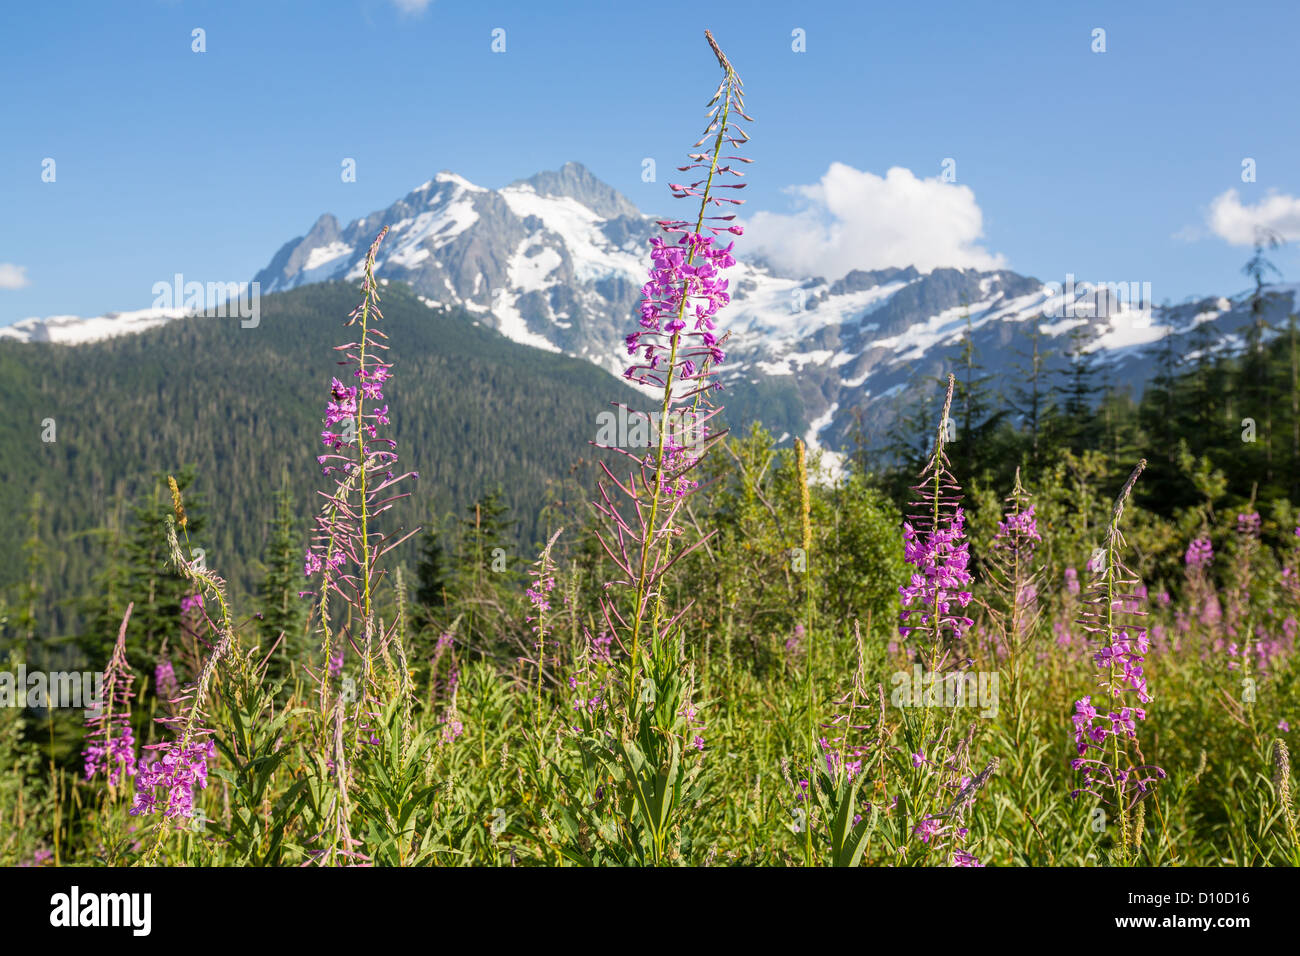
(471, 411)
(557, 261)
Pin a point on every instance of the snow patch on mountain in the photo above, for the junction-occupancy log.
(75, 330)
(557, 262)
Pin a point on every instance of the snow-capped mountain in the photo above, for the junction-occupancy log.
(75, 330)
(557, 261)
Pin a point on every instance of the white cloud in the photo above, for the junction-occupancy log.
(1236, 223)
(12, 276)
(412, 6)
(857, 220)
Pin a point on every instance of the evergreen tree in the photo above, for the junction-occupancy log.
(34, 556)
(103, 607)
(283, 612)
(1029, 400)
(1293, 350)
(974, 402)
(486, 570)
(1256, 383)
(435, 583)
(153, 583)
(1074, 421)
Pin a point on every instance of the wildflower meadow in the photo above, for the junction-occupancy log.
(721, 648)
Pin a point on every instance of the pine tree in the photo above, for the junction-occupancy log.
(103, 607)
(152, 583)
(34, 555)
(1029, 399)
(1074, 421)
(485, 574)
(1207, 386)
(973, 388)
(435, 584)
(1256, 383)
(1295, 405)
(975, 403)
(283, 612)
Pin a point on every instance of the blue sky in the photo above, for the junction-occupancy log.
(1116, 166)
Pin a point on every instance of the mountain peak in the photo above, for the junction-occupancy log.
(576, 181)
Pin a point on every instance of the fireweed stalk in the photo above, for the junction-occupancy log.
(934, 544)
(543, 583)
(680, 289)
(1112, 618)
(932, 619)
(183, 763)
(1240, 618)
(345, 549)
(110, 743)
(805, 540)
(675, 353)
(1197, 559)
(1015, 578)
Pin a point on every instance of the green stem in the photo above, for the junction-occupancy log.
(650, 531)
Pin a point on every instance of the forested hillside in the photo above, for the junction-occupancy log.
(243, 406)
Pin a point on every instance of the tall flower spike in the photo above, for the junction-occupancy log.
(676, 352)
(686, 287)
(346, 549)
(110, 742)
(1015, 577)
(539, 591)
(934, 544)
(166, 785)
(1105, 733)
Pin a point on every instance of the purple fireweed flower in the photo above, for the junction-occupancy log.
(452, 726)
(167, 784)
(1113, 615)
(685, 287)
(110, 741)
(928, 828)
(311, 564)
(164, 679)
(1072, 580)
(602, 648)
(537, 595)
(1023, 525)
(1199, 553)
(678, 339)
(39, 858)
(192, 601)
(941, 578)
(1249, 524)
(794, 643)
(113, 755)
(1211, 611)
